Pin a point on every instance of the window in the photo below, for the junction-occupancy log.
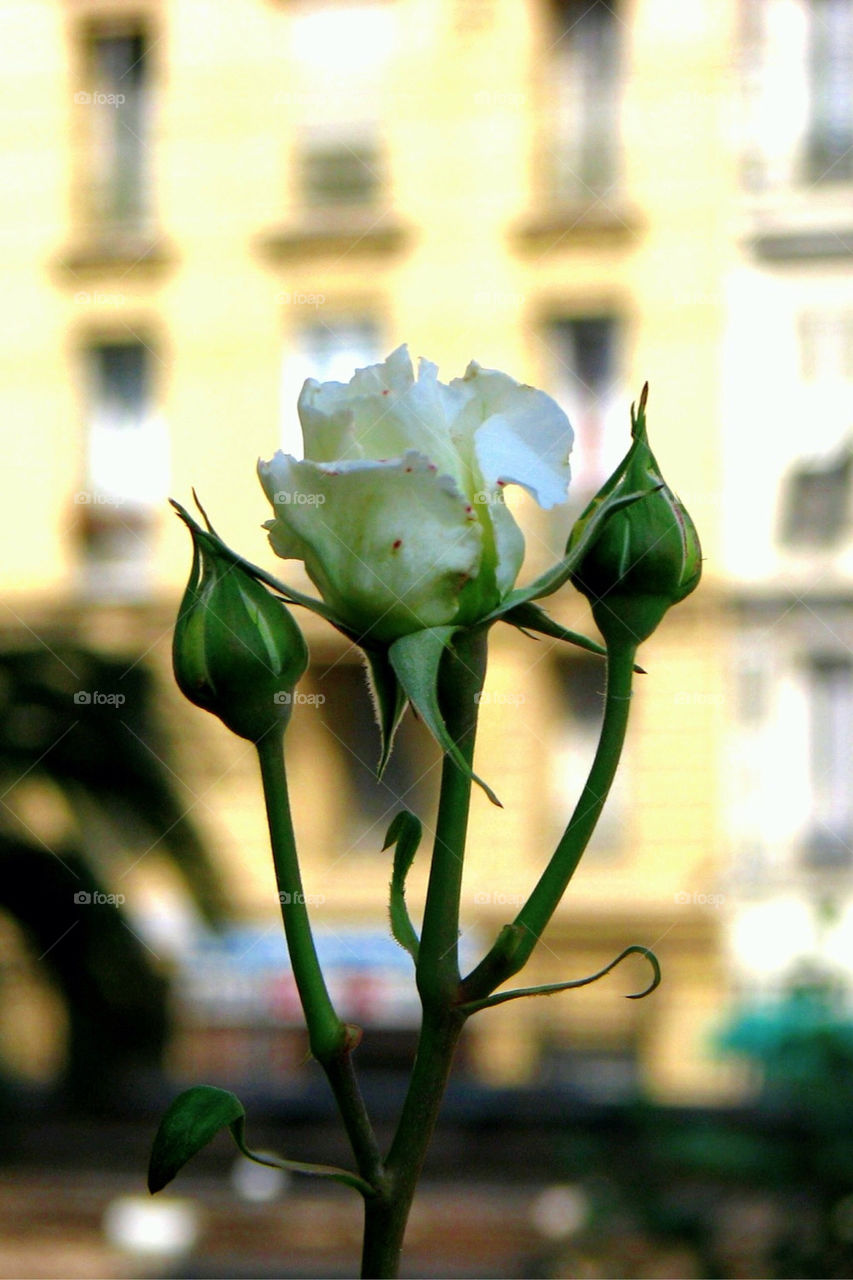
(585, 357)
(830, 684)
(826, 346)
(830, 134)
(127, 466)
(578, 710)
(341, 58)
(329, 351)
(411, 776)
(584, 98)
(798, 78)
(817, 502)
(118, 101)
(340, 174)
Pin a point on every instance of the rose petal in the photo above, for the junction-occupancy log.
(523, 437)
(381, 413)
(388, 544)
(509, 544)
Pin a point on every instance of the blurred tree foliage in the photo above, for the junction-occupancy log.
(80, 741)
(763, 1189)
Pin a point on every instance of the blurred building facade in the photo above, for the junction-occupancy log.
(786, 554)
(208, 203)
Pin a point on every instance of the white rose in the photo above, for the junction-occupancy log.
(397, 507)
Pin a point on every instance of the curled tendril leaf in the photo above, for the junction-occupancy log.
(552, 988)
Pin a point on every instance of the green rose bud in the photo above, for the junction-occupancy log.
(237, 651)
(647, 556)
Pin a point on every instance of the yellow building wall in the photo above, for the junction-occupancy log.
(464, 132)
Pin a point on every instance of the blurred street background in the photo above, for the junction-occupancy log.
(204, 204)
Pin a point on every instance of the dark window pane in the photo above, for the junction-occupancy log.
(584, 352)
(121, 132)
(830, 682)
(585, 52)
(412, 775)
(830, 140)
(816, 504)
(121, 383)
(580, 682)
(341, 175)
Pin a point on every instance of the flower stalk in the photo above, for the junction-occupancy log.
(461, 677)
(416, 560)
(330, 1039)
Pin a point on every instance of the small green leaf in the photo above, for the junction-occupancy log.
(415, 658)
(191, 1121)
(405, 830)
(196, 1116)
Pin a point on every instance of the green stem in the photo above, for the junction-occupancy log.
(461, 677)
(515, 943)
(330, 1039)
(386, 1215)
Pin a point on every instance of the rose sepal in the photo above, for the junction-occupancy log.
(416, 659)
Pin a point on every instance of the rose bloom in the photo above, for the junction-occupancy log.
(397, 508)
